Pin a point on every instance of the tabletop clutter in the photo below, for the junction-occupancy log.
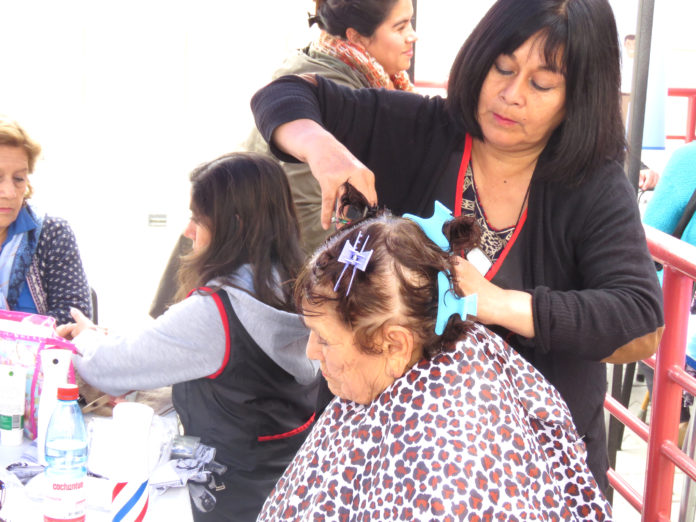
(71, 466)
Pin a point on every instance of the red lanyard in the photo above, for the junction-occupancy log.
(466, 157)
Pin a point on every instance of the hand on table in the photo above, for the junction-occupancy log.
(72, 330)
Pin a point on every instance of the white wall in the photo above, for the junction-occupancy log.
(126, 98)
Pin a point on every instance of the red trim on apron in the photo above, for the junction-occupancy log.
(288, 434)
(466, 157)
(226, 326)
(462, 174)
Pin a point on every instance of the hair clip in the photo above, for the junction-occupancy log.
(433, 225)
(450, 303)
(351, 256)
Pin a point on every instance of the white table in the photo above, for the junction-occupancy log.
(22, 506)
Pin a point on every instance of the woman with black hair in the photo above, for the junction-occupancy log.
(234, 348)
(529, 142)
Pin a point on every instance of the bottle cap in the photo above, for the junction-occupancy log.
(68, 392)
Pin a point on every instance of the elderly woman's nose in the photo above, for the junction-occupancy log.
(313, 349)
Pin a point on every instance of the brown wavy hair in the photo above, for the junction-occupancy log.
(244, 200)
(13, 135)
(399, 285)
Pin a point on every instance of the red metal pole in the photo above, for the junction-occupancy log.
(691, 119)
(690, 95)
(657, 496)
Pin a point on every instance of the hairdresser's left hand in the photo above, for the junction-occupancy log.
(511, 309)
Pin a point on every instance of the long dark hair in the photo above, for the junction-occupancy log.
(583, 33)
(244, 200)
(365, 16)
(404, 259)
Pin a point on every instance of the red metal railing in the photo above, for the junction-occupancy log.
(679, 261)
(690, 95)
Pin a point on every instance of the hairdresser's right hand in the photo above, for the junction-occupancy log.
(331, 163)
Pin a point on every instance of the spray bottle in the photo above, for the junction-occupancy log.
(55, 363)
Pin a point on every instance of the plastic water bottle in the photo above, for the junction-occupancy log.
(66, 456)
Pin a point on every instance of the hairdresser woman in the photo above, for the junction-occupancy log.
(362, 43)
(529, 142)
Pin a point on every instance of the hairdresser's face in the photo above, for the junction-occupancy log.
(522, 100)
(350, 373)
(392, 42)
(14, 171)
(197, 232)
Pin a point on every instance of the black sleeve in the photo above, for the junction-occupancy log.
(63, 277)
(621, 299)
(404, 138)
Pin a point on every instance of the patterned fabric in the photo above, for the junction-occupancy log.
(492, 241)
(360, 61)
(474, 434)
(56, 277)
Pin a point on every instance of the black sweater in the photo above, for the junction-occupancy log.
(581, 253)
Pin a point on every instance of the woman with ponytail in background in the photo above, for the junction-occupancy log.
(362, 43)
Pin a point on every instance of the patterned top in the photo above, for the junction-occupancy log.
(56, 277)
(492, 241)
(46, 275)
(475, 433)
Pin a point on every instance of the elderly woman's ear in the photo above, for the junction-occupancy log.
(400, 349)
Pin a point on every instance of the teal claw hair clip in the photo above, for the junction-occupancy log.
(448, 302)
(433, 225)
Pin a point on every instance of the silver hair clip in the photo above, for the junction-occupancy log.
(351, 256)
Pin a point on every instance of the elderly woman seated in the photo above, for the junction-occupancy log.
(435, 417)
(40, 265)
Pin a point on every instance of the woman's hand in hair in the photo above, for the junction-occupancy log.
(511, 309)
(331, 163)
